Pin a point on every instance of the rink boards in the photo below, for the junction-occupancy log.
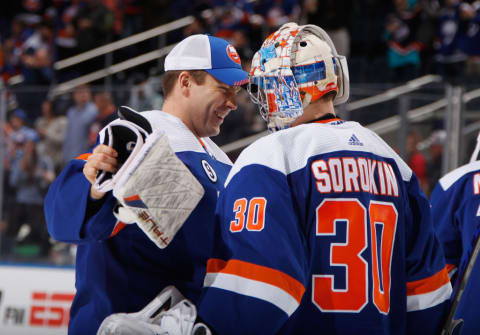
(35, 300)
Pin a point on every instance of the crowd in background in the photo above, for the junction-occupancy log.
(384, 41)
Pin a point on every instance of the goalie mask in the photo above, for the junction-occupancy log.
(296, 66)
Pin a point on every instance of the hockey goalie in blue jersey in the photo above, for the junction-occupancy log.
(119, 268)
(321, 228)
(456, 214)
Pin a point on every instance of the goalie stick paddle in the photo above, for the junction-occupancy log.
(451, 323)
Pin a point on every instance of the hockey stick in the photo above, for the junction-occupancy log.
(451, 323)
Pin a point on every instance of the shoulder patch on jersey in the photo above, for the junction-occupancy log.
(209, 171)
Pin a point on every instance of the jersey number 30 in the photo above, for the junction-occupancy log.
(382, 217)
(255, 210)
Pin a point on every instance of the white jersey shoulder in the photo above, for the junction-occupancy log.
(180, 137)
(450, 178)
(289, 150)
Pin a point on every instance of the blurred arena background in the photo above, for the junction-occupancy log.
(65, 66)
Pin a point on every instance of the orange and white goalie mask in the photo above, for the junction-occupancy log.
(295, 66)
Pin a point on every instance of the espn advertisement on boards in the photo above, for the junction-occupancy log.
(35, 300)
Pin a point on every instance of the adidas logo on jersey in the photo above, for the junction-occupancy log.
(355, 141)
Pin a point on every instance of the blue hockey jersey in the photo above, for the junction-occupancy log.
(456, 213)
(322, 228)
(450, 35)
(470, 42)
(118, 268)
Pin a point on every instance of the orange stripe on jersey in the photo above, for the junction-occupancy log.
(83, 156)
(328, 120)
(258, 273)
(429, 284)
(119, 226)
(450, 267)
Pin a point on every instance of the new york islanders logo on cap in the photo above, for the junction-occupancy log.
(233, 54)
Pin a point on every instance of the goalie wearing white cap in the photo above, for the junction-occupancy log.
(161, 175)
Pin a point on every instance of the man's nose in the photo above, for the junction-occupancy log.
(232, 103)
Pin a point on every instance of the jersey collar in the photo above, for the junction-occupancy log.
(327, 118)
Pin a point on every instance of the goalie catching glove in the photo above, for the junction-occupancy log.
(168, 314)
(152, 183)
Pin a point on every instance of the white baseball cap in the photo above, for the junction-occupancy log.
(212, 54)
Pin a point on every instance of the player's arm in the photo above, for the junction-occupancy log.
(257, 276)
(444, 207)
(428, 285)
(72, 214)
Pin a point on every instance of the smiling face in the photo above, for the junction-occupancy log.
(209, 104)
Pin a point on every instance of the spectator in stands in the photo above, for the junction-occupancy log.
(7, 191)
(94, 27)
(37, 54)
(32, 11)
(144, 96)
(230, 19)
(416, 160)
(276, 12)
(36, 62)
(65, 41)
(79, 119)
(14, 130)
(470, 43)
(331, 15)
(449, 55)
(51, 129)
(131, 13)
(106, 113)
(94, 24)
(434, 165)
(367, 42)
(401, 28)
(13, 48)
(106, 109)
(30, 175)
(19, 133)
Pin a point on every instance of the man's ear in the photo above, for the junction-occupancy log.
(185, 82)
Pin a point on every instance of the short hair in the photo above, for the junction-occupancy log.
(170, 77)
